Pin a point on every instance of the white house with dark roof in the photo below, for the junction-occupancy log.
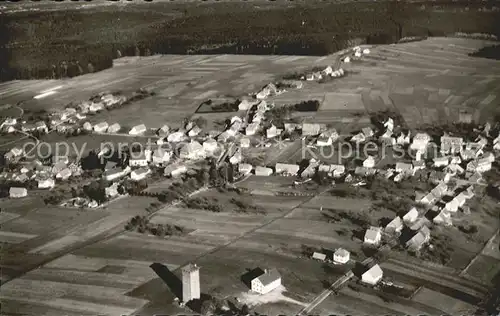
(411, 216)
(419, 239)
(266, 282)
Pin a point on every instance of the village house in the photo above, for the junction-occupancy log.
(451, 145)
(46, 183)
(418, 165)
(210, 145)
(454, 169)
(176, 137)
(175, 170)
(310, 170)
(110, 165)
(272, 132)
(80, 116)
(161, 157)
(101, 127)
(96, 107)
(112, 190)
(389, 124)
(114, 128)
(245, 105)
(13, 154)
(358, 138)
(368, 132)
(341, 256)
(163, 131)
(411, 216)
(420, 142)
(369, 162)
(395, 226)
(139, 174)
(244, 142)
(327, 138)
(419, 239)
(192, 150)
(373, 236)
(16, 192)
(87, 126)
(245, 168)
(263, 171)
(373, 275)
(287, 169)
(115, 173)
(236, 157)
(64, 174)
(41, 126)
(138, 130)
(252, 129)
(403, 139)
(442, 218)
(195, 131)
(265, 283)
(337, 171)
(403, 167)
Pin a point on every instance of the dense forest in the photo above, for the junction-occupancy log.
(62, 44)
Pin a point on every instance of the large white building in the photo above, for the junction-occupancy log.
(266, 282)
(190, 282)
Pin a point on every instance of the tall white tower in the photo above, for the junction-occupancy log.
(190, 282)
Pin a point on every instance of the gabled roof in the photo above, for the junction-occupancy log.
(269, 276)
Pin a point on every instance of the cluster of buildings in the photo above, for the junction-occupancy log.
(40, 175)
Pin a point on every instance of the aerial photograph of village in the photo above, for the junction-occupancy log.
(250, 157)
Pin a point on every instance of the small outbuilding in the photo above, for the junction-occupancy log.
(16, 192)
(341, 256)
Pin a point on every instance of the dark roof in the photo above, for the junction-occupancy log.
(269, 276)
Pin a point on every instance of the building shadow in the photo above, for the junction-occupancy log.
(250, 275)
(169, 278)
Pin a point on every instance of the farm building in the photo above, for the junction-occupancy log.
(64, 174)
(369, 162)
(395, 226)
(245, 168)
(263, 171)
(419, 239)
(15, 192)
(272, 132)
(341, 256)
(174, 170)
(41, 126)
(192, 150)
(287, 169)
(114, 128)
(47, 183)
(411, 216)
(115, 173)
(245, 105)
(373, 275)
(161, 157)
(319, 256)
(138, 130)
(101, 127)
(373, 236)
(270, 280)
(140, 173)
